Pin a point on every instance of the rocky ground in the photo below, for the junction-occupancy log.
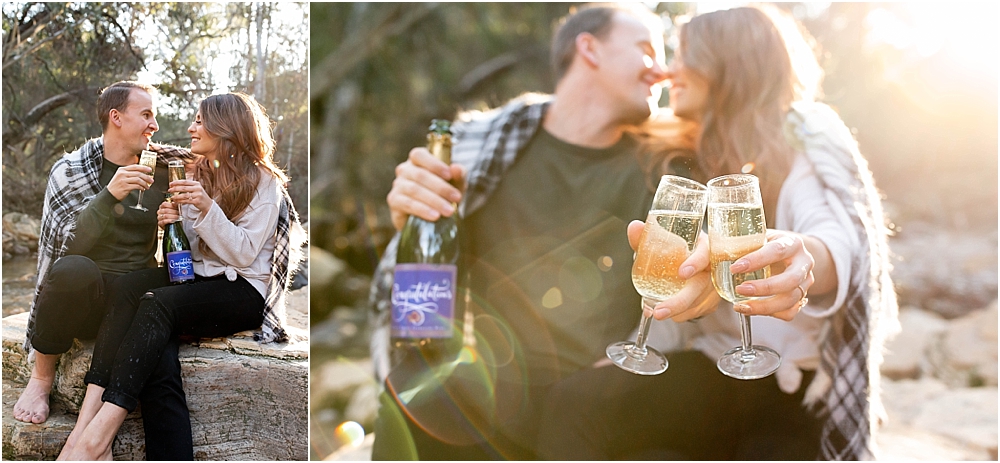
(939, 383)
(230, 422)
(939, 375)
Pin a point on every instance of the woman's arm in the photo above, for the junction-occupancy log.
(236, 244)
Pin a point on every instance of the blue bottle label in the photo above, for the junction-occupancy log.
(179, 266)
(423, 301)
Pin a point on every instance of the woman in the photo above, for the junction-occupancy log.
(742, 89)
(244, 235)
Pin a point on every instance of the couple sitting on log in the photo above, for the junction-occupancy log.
(97, 273)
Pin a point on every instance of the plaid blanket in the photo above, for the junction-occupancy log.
(851, 349)
(73, 183)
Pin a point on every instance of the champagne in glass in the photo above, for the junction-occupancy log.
(668, 238)
(736, 228)
(148, 159)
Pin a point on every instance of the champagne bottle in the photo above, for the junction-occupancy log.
(176, 249)
(426, 308)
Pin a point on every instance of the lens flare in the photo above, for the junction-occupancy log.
(349, 433)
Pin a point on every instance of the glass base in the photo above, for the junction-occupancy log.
(139, 207)
(758, 363)
(623, 354)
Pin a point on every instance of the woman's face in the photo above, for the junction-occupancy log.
(688, 90)
(202, 142)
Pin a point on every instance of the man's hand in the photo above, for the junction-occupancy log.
(698, 297)
(424, 187)
(128, 178)
(168, 213)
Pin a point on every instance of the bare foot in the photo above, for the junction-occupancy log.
(88, 410)
(33, 405)
(95, 441)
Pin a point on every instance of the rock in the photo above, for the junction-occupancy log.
(363, 406)
(967, 352)
(45, 440)
(336, 382)
(248, 401)
(23, 230)
(906, 353)
(335, 285)
(948, 272)
(964, 418)
(905, 443)
(968, 415)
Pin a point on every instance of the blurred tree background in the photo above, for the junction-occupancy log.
(58, 56)
(925, 120)
(916, 82)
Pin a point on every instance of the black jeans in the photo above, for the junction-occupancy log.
(72, 303)
(147, 313)
(690, 412)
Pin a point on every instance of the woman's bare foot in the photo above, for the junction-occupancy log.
(95, 441)
(88, 410)
(33, 404)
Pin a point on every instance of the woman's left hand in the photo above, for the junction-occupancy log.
(791, 276)
(190, 192)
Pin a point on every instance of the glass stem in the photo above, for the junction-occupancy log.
(647, 317)
(139, 202)
(748, 352)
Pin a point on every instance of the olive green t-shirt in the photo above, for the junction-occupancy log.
(116, 237)
(550, 260)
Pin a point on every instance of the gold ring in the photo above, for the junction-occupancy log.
(802, 300)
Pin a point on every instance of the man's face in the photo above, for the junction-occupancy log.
(632, 66)
(138, 121)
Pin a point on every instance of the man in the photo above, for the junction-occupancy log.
(91, 235)
(550, 184)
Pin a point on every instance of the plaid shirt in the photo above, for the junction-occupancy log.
(74, 182)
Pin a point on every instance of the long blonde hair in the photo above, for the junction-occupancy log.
(752, 83)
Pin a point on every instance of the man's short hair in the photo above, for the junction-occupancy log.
(592, 18)
(115, 96)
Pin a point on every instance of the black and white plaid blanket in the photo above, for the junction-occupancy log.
(851, 350)
(73, 183)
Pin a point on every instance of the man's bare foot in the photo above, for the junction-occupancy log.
(33, 404)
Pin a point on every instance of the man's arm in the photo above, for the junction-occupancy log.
(96, 216)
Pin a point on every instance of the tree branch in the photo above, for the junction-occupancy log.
(359, 47)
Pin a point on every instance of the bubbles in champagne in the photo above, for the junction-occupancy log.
(667, 240)
(735, 230)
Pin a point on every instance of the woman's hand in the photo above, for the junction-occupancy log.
(792, 260)
(424, 187)
(190, 192)
(168, 213)
(698, 297)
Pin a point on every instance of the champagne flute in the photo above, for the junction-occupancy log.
(148, 159)
(668, 238)
(736, 228)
